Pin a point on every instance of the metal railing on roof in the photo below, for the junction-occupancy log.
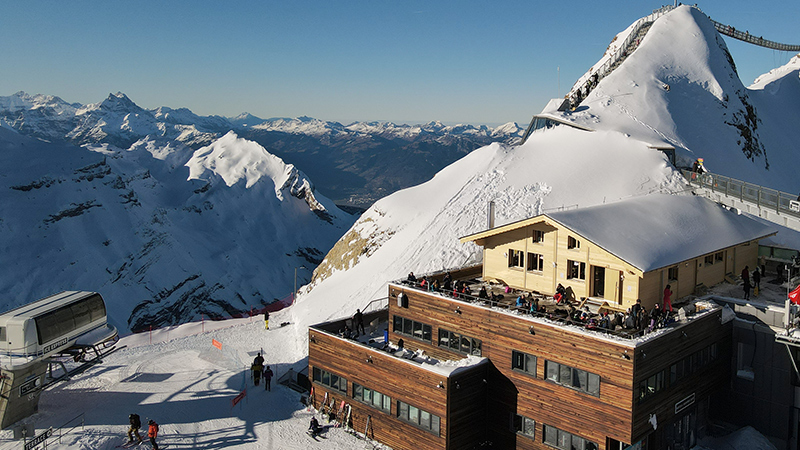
(760, 196)
(500, 304)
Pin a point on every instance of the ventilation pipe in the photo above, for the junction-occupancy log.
(491, 214)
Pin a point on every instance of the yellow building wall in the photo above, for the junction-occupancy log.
(619, 276)
(620, 279)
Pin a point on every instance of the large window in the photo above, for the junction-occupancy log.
(576, 270)
(516, 258)
(523, 362)
(372, 398)
(566, 441)
(535, 262)
(571, 377)
(68, 318)
(523, 425)
(330, 380)
(412, 328)
(418, 417)
(459, 343)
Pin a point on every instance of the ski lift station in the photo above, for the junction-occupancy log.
(36, 337)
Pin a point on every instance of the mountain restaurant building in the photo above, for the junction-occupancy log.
(617, 253)
(438, 370)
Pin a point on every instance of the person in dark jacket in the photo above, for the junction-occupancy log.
(152, 433)
(266, 320)
(358, 318)
(136, 423)
(267, 378)
(756, 280)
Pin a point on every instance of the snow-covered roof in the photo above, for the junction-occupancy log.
(658, 230)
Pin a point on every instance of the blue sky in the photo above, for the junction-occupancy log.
(405, 61)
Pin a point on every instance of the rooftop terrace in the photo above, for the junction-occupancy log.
(583, 316)
(374, 339)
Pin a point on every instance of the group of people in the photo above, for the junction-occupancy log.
(261, 371)
(136, 423)
(358, 324)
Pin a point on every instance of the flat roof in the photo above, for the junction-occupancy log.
(374, 342)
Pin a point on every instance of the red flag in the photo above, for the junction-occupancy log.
(216, 343)
(794, 296)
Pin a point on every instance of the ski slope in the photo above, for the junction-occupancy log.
(186, 385)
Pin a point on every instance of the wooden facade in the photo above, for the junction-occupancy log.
(552, 254)
(481, 404)
(450, 397)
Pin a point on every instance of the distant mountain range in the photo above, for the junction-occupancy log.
(353, 164)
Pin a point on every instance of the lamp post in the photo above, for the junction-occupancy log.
(294, 292)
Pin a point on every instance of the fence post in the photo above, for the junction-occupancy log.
(151, 335)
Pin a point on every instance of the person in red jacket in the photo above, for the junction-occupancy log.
(152, 433)
(667, 299)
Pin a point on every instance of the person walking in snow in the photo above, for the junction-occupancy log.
(746, 282)
(267, 378)
(136, 423)
(152, 433)
(266, 320)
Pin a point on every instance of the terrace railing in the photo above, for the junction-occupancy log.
(561, 318)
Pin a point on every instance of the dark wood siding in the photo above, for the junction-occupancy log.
(661, 353)
(590, 417)
(454, 403)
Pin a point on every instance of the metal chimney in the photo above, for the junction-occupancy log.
(491, 214)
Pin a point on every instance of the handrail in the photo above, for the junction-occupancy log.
(469, 298)
(749, 38)
(763, 197)
(376, 305)
(61, 433)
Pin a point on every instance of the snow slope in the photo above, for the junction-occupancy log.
(163, 232)
(417, 229)
(680, 88)
(186, 385)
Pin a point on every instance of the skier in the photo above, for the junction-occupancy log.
(314, 428)
(266, 320)
(267, 378)
(136, 423)
(152, 433)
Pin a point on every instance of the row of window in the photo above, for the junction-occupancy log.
(330, 380)
(715, 258)
(412, 328)
(516, 258)
(418, 417)
(571, 377)
(552, 436)
(662, 379)
(566, 441)
(408, 413)
(564, 375)
(448, 339)
(459, 343)
(372, 398)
